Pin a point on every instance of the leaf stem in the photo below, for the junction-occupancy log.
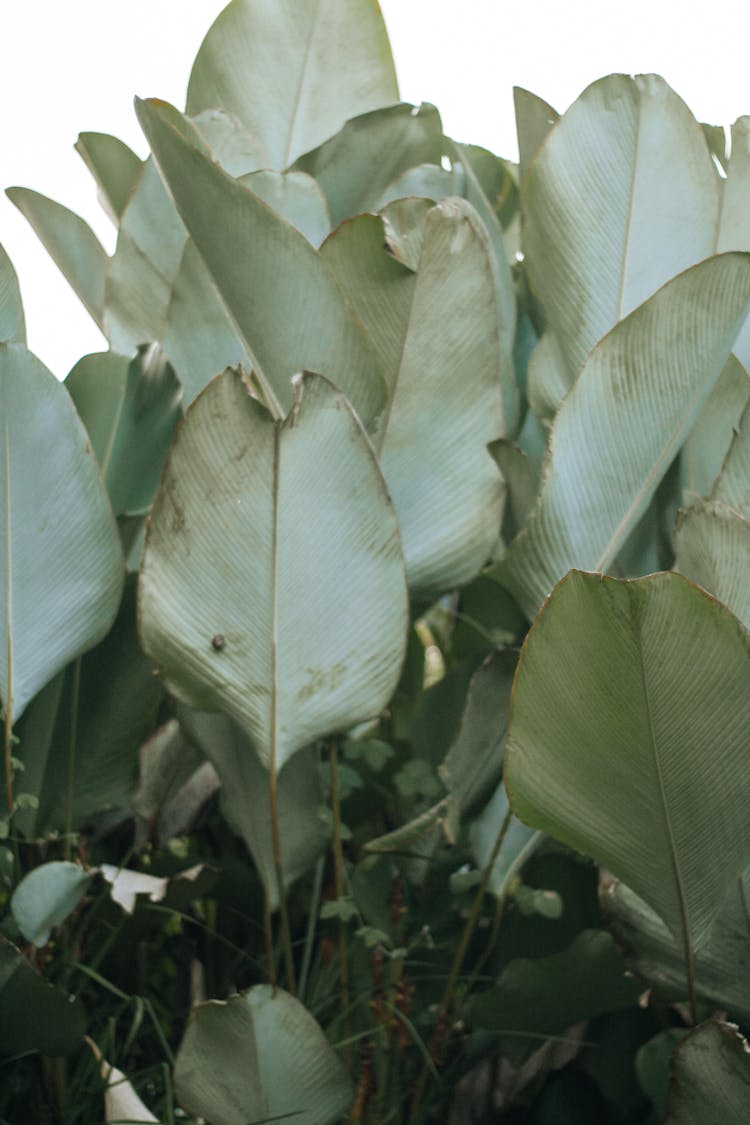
(438, 1037)
(338, 875)
(72, 742)
(286, 933)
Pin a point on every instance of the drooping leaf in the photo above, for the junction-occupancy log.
(356, 166)
(708, 443)
(534, 119)
(130, 409)
(621, 197)
(71, 243)
(92, 720)
(114, 166)
(285, 304)
(722, 965)
(712, 547)
(12, 321)
(293, 73)
(234, 1063)
(246, 804)
(547, 994)
(34, 1016)
(710, 1077)
(436, 332)
(623, 422)
(61, 565)
(629, 711)
(46, 896)
(263, 540)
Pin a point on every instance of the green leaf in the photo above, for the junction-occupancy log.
(426, 326)
(621, 197)
(652, 1065)
(297, 198)
(712, 547)
(547, 994)
(734, 224)
(721, 976)
(12, 322)
(284, 303)
(245, 799)
(114, 166)
(623, 423)
(708, 443)
(91, 720)
(355, 167)
(71, 243)
(425, 181)
(629, 713)
(61, 565)
(710, 1077)
(534, 119)
(257, 1056)
(45, 897)
(293, 73)
(130, 409)
(33, 1015)
(255, 568)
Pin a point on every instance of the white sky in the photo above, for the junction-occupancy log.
(75, 65)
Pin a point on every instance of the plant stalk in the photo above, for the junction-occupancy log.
(286, 933)
(438, 1038)
(338, 876)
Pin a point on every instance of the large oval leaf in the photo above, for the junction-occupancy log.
(621, 197)
(438, 333)
(710, 1077)
(260, 1057)
(61, 565)
(285, 304)
(272, 584)
(293, 72)
(628, 739)
(624, 421)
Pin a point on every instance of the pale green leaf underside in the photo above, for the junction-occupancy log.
(281, 540)
(284, 304)
(708, 443)
(437, 332)
(621, 197)
(293, 72)
(628, 739)
(732, 486)
(45, 897)
(260, 1056)
(712, 547)
(61, 565)
(114, 166)
(624, 422)
(12, 322)
(71, 243)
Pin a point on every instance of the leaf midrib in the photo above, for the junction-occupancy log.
(673, 853)
(300, 86)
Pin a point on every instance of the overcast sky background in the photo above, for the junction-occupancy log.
(75, 66)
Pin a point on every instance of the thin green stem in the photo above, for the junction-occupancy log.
(312, 925)
(338, 876)
(72, 742)
(438, 1037)
(286, 933)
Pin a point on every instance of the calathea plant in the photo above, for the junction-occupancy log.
(374, 660)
